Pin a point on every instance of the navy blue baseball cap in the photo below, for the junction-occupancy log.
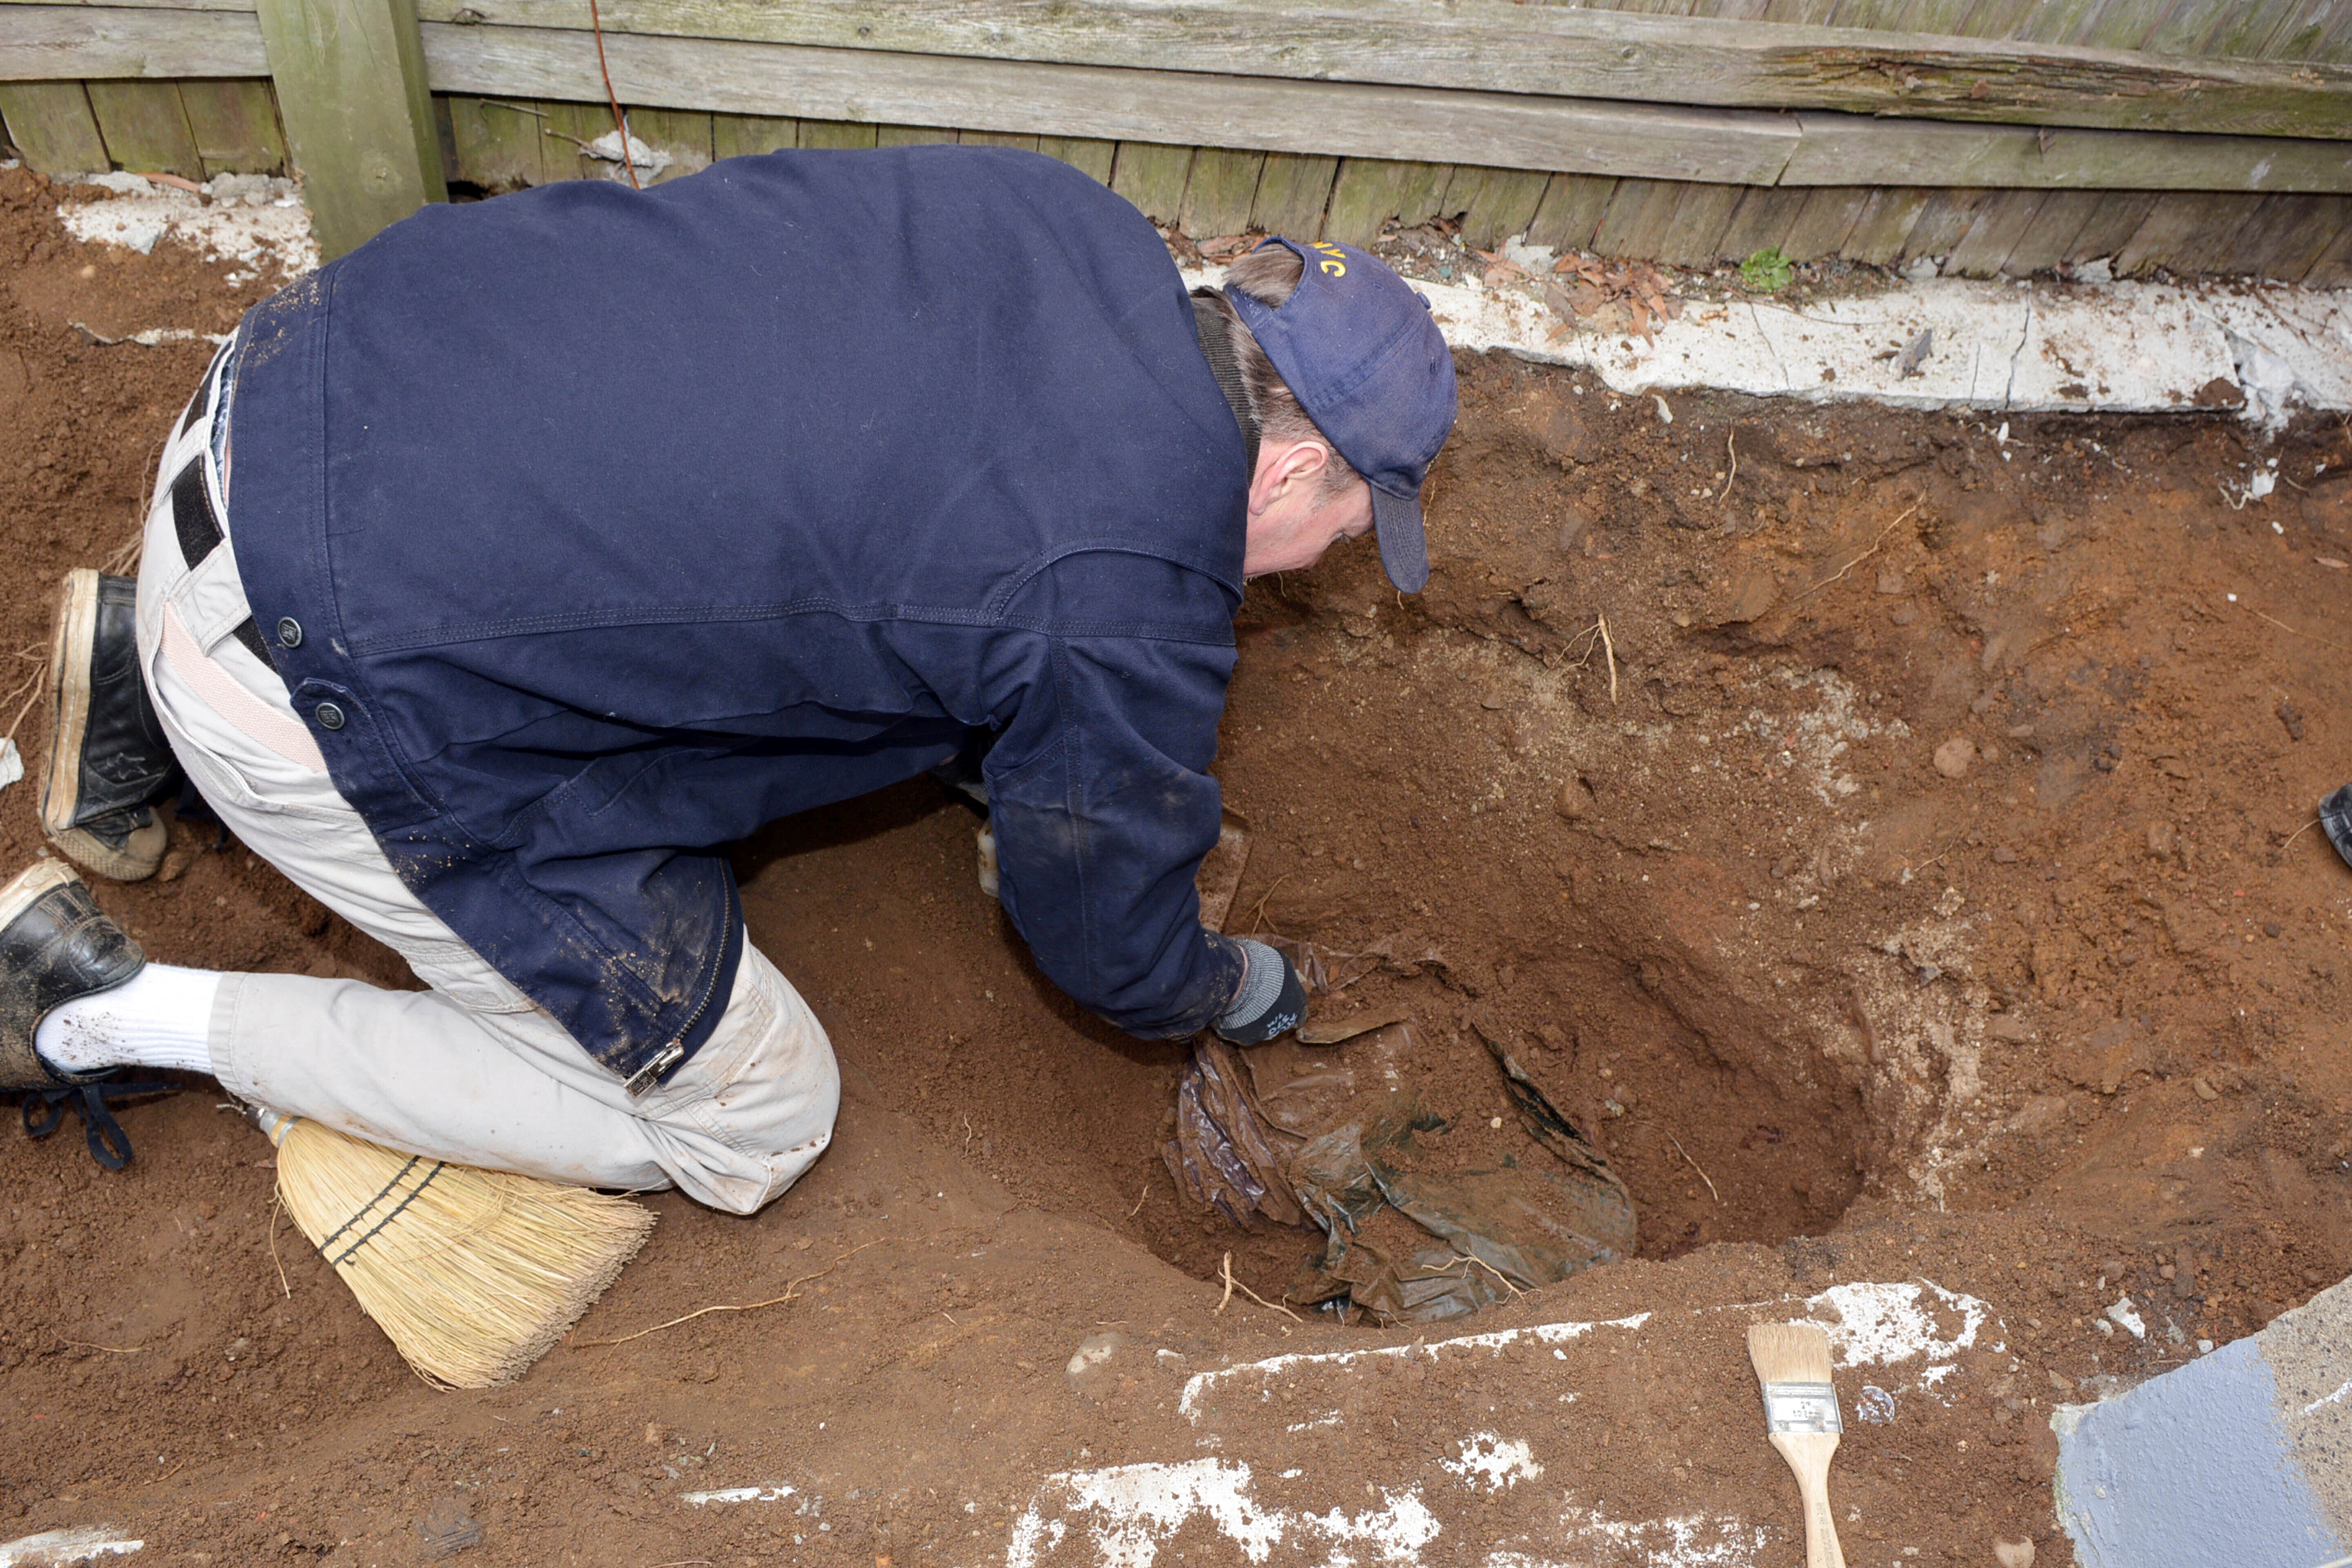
(1357, 346)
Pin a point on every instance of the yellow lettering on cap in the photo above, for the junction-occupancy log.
(1335, 264)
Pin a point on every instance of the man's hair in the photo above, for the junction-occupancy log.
(1270, 275)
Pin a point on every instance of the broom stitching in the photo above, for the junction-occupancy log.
(362, 1212)
(438, 1166)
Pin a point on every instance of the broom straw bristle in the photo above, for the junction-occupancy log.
(473, 1274)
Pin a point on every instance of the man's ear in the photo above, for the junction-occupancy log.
(1280, 471)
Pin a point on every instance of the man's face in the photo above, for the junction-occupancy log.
(1292, 520)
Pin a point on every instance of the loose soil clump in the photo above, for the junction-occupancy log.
(1894, 854)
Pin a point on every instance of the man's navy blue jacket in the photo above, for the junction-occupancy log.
(617, 524)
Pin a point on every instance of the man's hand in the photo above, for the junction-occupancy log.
(1271, 1001)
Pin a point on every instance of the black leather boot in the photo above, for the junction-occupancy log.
(108, 762)
(55, 944)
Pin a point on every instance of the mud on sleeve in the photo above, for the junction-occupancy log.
(1103, 810)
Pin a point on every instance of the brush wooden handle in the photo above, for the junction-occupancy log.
(1808, 1454)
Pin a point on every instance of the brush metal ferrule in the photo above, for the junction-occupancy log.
(1802, 1407)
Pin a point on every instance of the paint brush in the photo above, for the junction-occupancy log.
(1800, 1412)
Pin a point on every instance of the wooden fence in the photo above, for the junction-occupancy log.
(1998, 136)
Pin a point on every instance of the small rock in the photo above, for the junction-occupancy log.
(1953, 757)
(2013, 1553)
(2205, 1089)
(1573, 800)
(2009, 1027)
(1890, 581)
(2005, 855)
(2271, 928)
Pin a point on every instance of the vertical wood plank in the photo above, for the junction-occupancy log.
(2283, 241)
(2108, 226)
(1571, 211)
(2051, 235)
(568, 125)
(2177, 233)
(1943, 219)
(1825, 221)
(1884, 224)
(1292, 192)
(1763, 219)
(1152, 176)
(145, 127)
(235, 123)
(1999, 224)
(685, 134)
(2301, 31)
(1639, 215)
(915, 136)
(1501, 203)
(2333, 270)
(1694, 233)
(1369, 191)
(496, 144)
(358, 116)
(837, 133)
(1087, 154)
(1224, 184)
(747, 135)
(50, 122)
(997, 139)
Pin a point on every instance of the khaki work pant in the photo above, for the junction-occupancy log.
(471, 1071)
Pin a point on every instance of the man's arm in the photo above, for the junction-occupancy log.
(1103, 810)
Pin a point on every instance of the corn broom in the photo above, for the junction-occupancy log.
(473, 1274)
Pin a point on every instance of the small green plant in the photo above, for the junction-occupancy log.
(1768, 271)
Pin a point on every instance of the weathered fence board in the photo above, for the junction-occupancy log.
(1885, 224)
(235, 123)
(1571, 211)
(1223, 189)
(1255, 114)
(1493, 46)
(1847, 151)
(146, 127)
(1092, 155)
(500, 145)
(1999, 224)
(1292, 192)
(51, 123)
(741, 135)
(1369, 192)
(51, 43)
(358, 116)
(1153, 178)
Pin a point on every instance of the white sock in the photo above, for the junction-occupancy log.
(160, 1018)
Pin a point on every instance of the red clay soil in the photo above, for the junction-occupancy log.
(2054, 1021)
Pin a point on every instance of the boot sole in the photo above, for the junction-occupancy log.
(142, 851)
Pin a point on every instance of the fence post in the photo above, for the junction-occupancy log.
(358, 118)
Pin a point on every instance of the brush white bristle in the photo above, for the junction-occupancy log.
(1790, 1352)
(473, 1274)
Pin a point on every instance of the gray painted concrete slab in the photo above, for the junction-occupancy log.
(2243, 1456)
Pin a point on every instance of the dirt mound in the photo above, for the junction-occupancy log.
(1892, 853)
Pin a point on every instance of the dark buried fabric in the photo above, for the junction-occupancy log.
(620, 525)
(1289, 1134)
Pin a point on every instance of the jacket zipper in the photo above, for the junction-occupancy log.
(670, 1054)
